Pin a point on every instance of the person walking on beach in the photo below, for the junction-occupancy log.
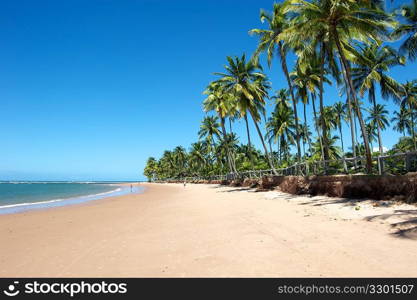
(131, 188)
(185, 182)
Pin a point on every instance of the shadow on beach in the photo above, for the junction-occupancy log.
(403, 221)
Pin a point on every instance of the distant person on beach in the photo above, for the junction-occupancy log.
(185, 183)
(131, 188)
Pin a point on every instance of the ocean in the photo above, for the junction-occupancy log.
(22, 196)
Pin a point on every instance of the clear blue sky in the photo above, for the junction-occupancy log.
(90, 89)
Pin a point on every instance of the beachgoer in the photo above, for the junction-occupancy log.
(131, 188)
(185, 183)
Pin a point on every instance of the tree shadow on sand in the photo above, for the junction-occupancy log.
(406, 228)
(403, 221)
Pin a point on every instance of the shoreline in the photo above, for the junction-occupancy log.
(197, 231)
(120, 189)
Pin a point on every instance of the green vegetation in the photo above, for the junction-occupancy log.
(341, 42)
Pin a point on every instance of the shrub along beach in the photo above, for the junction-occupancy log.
(346, 44)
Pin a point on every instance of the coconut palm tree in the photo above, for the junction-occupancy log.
(337, 23)
(210, 129)
(305, 137)
(334, 151)
(371, 131)
(281, 128)
(340, 116)
(378, 118)
(249, 86)
(402, 121)
(277, 21)
(409, 102)
(220, 101)
(197, 159)
(408, 29)
(372, 63)
(151, 168)
(180, 160)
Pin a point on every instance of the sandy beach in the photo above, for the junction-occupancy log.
(211, 231)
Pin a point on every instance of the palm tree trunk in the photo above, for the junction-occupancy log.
(305, 127)
(358, 109)
(350, 116)
(323, 125)
(341, 138)
(305, 122)
(412, 126)
(229, 156)
(279, 151)
(270, 151)
(263, 144)
(294, 104)
(356, 133)
(372, 95)
(249, 143)
(313, 102)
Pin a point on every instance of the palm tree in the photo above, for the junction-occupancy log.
(281, 128)
(180, 160)
(378, 118)
(209, 129)
(340, 115)
(409, 102)
(307, 77)
(337, 22)
(409, 30)
(334, 151)
(246, 82)
(305, 137)
(269, 42)
(329, 118)
(402, 121)
(197, 158)
(371, 131)
(151, 168)
(373, 62)
(372, 65)
(219, 101)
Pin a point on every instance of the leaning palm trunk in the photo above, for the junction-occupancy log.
(263, 144)
(294, 104)
(358, 110)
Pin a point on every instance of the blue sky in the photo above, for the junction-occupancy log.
(90, 89)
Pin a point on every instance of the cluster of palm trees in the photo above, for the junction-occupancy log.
(346, 43)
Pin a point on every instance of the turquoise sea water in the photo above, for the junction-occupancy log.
(21, 196)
